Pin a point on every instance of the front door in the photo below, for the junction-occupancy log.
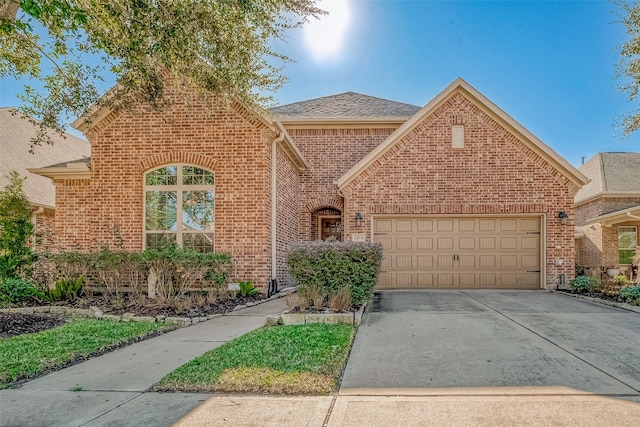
(331, 228)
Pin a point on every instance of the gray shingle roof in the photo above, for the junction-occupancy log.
(610, 173)
(348, 105)
(15, 140)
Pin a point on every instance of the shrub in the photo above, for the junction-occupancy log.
(16, 291)
(64, 290)
(16, 229)
(584, 284)
(631, 294)
(621, 279)
(177, 270)
(336, 265)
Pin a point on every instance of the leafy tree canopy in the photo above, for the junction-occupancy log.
(220, 46)
(629, 65)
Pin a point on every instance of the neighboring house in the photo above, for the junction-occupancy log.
(16, 134)
(608, 211)
(459, 194)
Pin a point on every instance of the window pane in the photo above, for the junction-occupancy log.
(157, 240)
(627, 238)
(160, 210)
(626, 256)
(192, 175)
(197, 210)
(200, 242)
(163, 176)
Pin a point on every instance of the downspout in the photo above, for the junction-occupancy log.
(34, 221)
(273, 285)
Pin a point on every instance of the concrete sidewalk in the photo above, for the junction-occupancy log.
(113, 386)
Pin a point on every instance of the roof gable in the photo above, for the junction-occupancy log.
(612, 174)
(15, 140)
(345, 106)
(488, 107)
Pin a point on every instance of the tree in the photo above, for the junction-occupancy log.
(219, 46)
(16, 229)
(629, 64)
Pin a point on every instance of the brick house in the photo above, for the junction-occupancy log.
(608, 211)
(458, 193)
(16, 134)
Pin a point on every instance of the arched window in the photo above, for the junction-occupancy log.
(179, 207)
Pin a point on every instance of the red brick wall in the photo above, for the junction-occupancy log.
(45, 231)
(494, 174)
(228, 141)
(287, 212)
(599, 246)
(331, 153)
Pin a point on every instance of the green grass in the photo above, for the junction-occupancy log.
(30, 355)
(302, 359)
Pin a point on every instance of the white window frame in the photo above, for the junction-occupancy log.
(179, 188)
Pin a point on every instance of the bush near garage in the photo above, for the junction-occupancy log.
(329, 267)
(584, 284)
(631, 294)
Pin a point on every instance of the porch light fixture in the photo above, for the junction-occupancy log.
(563, 217)
(358, 219)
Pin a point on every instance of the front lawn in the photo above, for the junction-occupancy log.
(297, 359)
(30, 355)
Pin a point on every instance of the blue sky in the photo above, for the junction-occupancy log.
(550, 65)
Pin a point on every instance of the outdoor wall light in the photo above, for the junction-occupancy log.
(358, 219)
(563, 217)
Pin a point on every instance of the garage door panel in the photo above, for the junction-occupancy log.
(425, 280)
(387, 243)
(444, 243)
(487, 242)
(467, 261)
(404, 261)
(445, 261)
(425, 225)
(464, 252)
(508, 243)
(383, 226)
(467, 243)
(404, 226)
(425, 261)
(425, 243)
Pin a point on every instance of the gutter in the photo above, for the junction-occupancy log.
(274, 247)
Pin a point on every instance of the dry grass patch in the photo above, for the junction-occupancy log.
(263, 380)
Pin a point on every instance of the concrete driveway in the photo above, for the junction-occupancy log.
(511, 340)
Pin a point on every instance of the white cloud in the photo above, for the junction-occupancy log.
(325, 37)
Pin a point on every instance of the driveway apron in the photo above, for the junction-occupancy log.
(449, 339)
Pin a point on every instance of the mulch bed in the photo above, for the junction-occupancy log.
(13, 324)
(614, 298)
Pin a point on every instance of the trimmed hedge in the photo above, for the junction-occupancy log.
(335, 265)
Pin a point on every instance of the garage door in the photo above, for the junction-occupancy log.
(449, 252)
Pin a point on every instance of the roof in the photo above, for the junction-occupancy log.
(460, 86)
(611, 174)
(345, 106)
(15, 141)
(623, 215)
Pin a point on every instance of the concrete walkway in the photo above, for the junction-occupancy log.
(450, 358)
(114, 385)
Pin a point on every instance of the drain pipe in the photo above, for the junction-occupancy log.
(273, 285)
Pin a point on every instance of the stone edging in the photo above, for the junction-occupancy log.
(286, 318)
(621, 305)
(95, 312)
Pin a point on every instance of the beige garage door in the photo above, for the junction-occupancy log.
(459, 252)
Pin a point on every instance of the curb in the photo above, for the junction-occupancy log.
(621, 305)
